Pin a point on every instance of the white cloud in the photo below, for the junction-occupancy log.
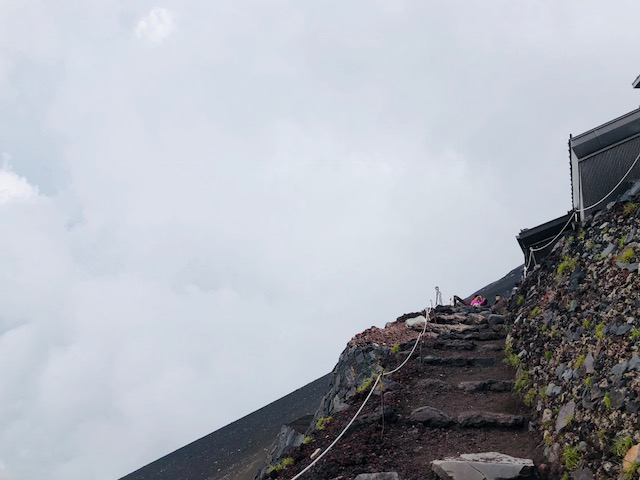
(14, 188)
(157, 25)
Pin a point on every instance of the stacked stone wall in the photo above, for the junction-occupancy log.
(576, 341)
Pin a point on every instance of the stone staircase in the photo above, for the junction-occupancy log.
(449, 413)
(461, 383)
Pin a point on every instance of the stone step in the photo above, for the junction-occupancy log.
(492, 347)
(487, 386)
(436, 418)
(480, 335)
(459, 361)
(460, 318)
(481, 419)
(484, 466)
(453, 345)
(441, 329)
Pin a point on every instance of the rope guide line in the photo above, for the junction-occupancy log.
(375, 384)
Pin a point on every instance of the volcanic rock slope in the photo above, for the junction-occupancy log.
(453, 396)
(235, 451)
(576, 341)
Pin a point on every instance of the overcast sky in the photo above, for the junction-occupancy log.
(202, 202)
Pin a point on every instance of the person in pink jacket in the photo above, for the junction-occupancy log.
(479, 301)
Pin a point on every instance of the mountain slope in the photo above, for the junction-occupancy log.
(236, 450)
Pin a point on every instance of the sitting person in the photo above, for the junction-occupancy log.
(479, 301)
(500, 305)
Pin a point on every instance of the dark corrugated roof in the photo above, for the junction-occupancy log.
(607, 134)
(538, 236)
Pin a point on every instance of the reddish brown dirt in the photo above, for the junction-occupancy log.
(393, 333)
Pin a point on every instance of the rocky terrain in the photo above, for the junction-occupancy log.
(453, 396)
(576, 341)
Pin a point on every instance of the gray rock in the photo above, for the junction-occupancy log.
(576, 277)
(490, 419)
(496, 319)
(553, 390)
(565, 415)
(623, 330)
(386, 385)
(484, 466)
(431, 417)
(582, 474)
(573, 305)
(415, 322)
(337, 405)
(588, 363)
(618, 370)
(634, 363)
(560, 370)
(553, 453)
(618, 398)
(607, 251)
(588, 400)
(632, 267)
(567, 375)
(632, 406)
(487, 386)
(635, 188)
(378, 476)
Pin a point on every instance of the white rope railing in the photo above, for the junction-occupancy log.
(373, 387)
